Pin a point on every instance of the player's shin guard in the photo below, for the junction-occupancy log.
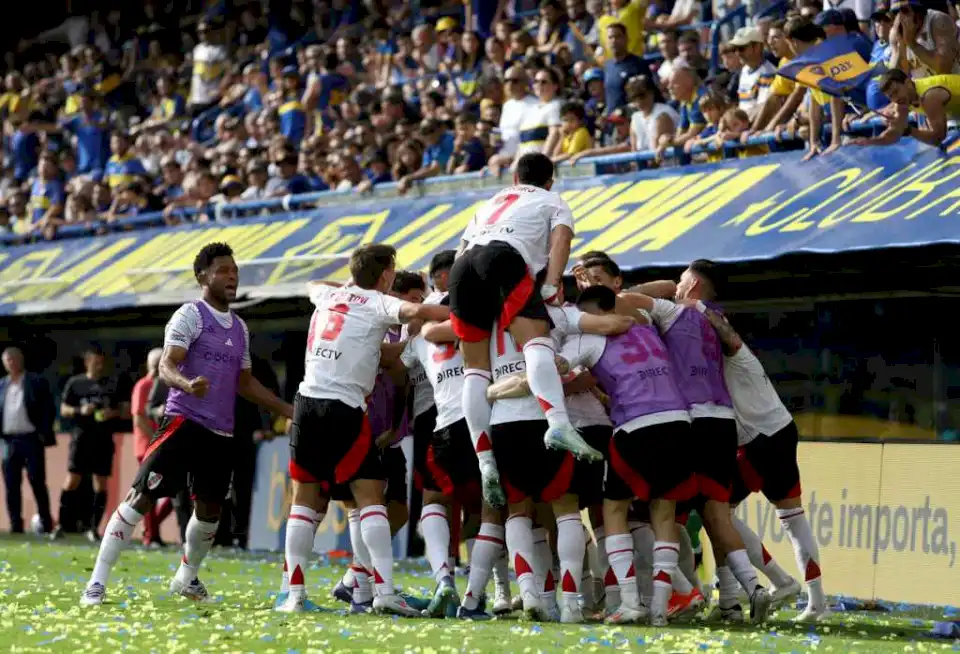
(476, 410)
(519, 535)
(375, 529)
(665, 557)
(759, 557)
(540, 358)
(487, 548)
(196, 545)
(116, 537)
(298, 548)
(805, 549)
(436, 538)
(643, 540)
(620, 553)
(570, 551)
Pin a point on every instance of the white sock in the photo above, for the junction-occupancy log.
(570, 550)
(587, 588)
(115, 539)
(358, 572)
(728, 587)
(643, 540)
(375, 529)
(349, 578)
(760, 557)
(807, 553)
(519, 536)
(739, 564)
(476, 411)
(543, 564)
(284, 578)
(469, 543)
(436, 538)
(199, 540)
(540, 355)
(298, 547)
(501, 572)
(665, 557)
(611, 587)
(487, 548)
(620, 552)
(688, 560)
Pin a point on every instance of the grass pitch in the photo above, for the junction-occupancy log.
(41, 583)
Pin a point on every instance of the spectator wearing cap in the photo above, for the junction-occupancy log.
(293, 118)
(468, 151)
(123, 166)
(209, 77)
(832, 23)
(47, 196)
(288, 180)
(438, 147)
(231, 188)
(621, 66)
(91, 134)
(653, 121)
(881, 54)
(596, 100)
(757, 73)
(928, 43)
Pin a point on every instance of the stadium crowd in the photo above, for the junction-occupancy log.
(126, 113)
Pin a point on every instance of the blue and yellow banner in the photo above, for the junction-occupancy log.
(757, 208)
(835, 67)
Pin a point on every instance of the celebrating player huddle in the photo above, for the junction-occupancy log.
(525, 412)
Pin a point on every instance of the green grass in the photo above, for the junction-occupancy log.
(40, 585)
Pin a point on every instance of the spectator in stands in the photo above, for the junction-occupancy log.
(686, 89)
(684, 12)
(781, 87)
(468, 152)
(257, 177)
(519, 101)
(860, 9)
(26, 414)
(123, 166)
(438, 148)
(210, 78)
(882, 22)
(937, 97)
(621, 66)
(91, 134)
(757, 73)
(575, 137)
(47, 197)
(616, 140)
(653, 121)
(667, 44)
(553, 26)
(288, 180)
(540, 122)
(802, 35)
(926, 42)
(688, 47)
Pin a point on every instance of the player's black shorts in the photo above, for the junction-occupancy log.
(91, 454)
(714, 450)
(395, 469)
(651, 463)
(527, 468)
(452, 463)
(489, 283)
(768, 464)
(588, 477)
(185, 454)
(331, 443)
(423, 426)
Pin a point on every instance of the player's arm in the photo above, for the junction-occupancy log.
(425, 312)
(609, 324)
(560, 238)
(250, 389)
(584, 350)
(438, 332)
(69, 404)
(934, 102)
(729, 337)
(390, 354)
(663, 288)
(894, 130)
(170, 360)
(582, 382)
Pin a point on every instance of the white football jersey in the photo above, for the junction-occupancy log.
(523, 217)
(584, 409)
(343, 342)
(506, 359)
(760, 411)
(443, 366)
(422, 389)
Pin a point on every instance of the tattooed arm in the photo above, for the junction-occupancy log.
(728, 335)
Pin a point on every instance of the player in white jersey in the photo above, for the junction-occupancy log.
(513, 255)
(533, 472)
(330, 442)
(768, 463)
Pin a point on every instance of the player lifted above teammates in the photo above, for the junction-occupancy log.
(331, 445)
(512, 257)
(206, 363)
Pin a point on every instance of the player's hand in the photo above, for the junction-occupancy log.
(551, 294)
(622, 323)
(198, 386)
(563, 366)
(87, 409)
(385, 439)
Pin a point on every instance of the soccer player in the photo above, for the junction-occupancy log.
(206, 363)
(523, 232)
(768, 463)
(696, 356)
(647, 454)
(330, 442)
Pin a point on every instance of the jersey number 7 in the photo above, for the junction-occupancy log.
(504, 203)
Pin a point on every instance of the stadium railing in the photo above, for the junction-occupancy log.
(587, 167)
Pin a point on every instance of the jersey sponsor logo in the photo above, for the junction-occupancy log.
(220, 357)
(509, 368)
(450, 373)
(153, 480)
(327, 353)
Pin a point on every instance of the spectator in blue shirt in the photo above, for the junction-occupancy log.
(92, 132)
(468, 152)
(24, 148)
(123, 166)
(289, 181)
(293, 119)
(438, 148)
(47, 196)
(376, 167)
(620, 67)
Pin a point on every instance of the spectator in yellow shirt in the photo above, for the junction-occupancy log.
(575, 135)
(632, 14)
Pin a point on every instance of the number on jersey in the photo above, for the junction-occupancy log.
(335, 318)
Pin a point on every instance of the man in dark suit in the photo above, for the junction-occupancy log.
(27, 413)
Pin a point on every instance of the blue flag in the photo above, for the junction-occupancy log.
(836, 66)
